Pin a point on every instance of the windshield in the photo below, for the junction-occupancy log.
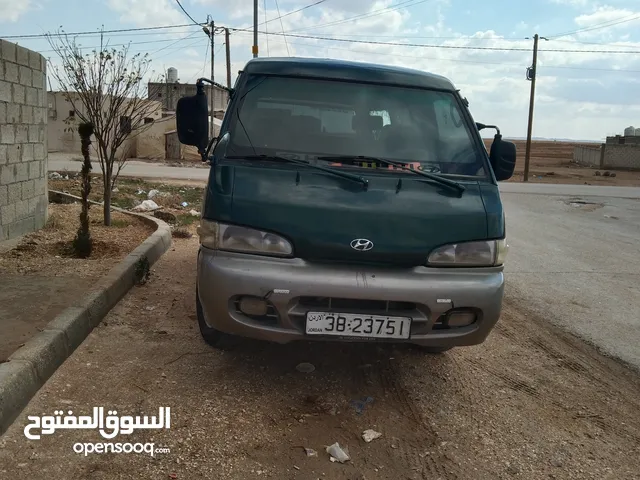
(304, 119)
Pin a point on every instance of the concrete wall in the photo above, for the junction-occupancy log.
(622, 156)
(588, 156)
(23, 141)
(150, 143)
(63, 128)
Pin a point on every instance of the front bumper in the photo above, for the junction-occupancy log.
(294, 286)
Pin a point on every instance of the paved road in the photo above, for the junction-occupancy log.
(58, 162)
(578, 266)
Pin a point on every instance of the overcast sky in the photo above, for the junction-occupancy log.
(580, 95)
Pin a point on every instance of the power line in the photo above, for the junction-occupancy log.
(596, 43)
(107, 45)
(282, 26)
(597, 26)
(456, 60)
(280, 17)
(451, 47)
(175, 43)
(187, 13)
(373, 13)
(99, 32)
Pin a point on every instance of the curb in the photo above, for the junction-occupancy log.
(29, 367)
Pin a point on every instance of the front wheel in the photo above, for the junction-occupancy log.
(211, 336)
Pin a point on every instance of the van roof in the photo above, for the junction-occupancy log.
(347, 70)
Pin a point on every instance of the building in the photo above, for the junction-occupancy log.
(169, 94)
(623, 140)
(63, 120)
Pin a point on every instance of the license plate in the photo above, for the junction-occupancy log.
(356, 325)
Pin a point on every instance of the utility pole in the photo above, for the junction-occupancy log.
(226, 42)
(255, 28)
(532, 73)
(213, 88)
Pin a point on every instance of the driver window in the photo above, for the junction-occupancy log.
(451, 130)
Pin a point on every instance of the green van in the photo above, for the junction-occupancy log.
(347, 201)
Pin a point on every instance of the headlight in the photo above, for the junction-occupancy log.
(219, 236)
(487, 253)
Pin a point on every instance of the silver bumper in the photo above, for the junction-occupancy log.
(294, 286)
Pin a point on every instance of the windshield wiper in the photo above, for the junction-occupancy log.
(442, 181)
(276, 158)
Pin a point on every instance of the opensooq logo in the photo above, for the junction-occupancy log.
(109, 426)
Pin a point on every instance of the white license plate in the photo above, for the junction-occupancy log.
(357, 325)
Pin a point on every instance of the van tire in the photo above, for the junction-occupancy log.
(211, 336)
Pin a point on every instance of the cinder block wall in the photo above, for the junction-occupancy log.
(23, 141)
(622, 156)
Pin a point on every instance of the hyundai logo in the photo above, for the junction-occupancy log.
(361, 244)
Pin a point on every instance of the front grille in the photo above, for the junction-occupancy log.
(373, 306)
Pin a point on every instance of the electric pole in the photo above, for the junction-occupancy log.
(226, 42)
(255, 28)
(213, 88)
(532, 73)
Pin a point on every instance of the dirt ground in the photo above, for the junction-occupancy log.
(130, 192)
(552, 162)
(40, 277)
(531, 402)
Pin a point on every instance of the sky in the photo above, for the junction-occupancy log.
(588, 83)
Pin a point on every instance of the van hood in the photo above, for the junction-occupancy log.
(322, 214)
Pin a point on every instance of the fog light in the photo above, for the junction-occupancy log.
(253, 306)
(460, 319)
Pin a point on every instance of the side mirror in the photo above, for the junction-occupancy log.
(192, 120)
(502, 157)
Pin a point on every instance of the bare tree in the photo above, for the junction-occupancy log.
(105, 88)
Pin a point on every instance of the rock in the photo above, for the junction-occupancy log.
(165, 216)
(115, 190)
(513, 469)
(194, 213)
(556, 462)
(597, 173)
(370, 435)
(612, 174)
(146, 206)
(606, 174)
(310, 452)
